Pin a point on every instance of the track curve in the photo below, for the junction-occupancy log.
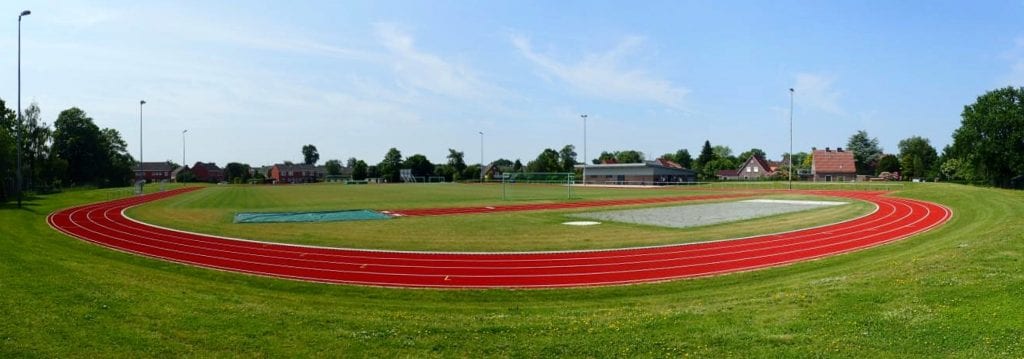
(105, 224)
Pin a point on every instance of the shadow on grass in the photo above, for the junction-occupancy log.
(28, 203)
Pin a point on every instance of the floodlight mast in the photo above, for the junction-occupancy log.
(481, 156)
(142, 175)
(584, 116)
(791, 138)
(17, 129)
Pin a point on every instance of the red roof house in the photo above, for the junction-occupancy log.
(833, 166)
(207, 172)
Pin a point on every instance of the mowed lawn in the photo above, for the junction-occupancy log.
(955, 291)
(212, 210)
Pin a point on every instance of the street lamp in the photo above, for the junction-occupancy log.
(584, 149)
(791, 138)
(481, 156)
(17, 128)
(141, 174)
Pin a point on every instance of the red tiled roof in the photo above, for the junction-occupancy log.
(764, 164)
(669, 163)
(833, 162)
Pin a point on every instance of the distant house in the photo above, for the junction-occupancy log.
(207, 172)
(754, 168)
(174, 174)
(655, 172)
(833, 166)
(300, 173)
(493, 171)
(154, 171)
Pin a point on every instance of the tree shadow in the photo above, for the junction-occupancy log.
(29, 203)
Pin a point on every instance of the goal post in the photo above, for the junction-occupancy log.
(537, 185)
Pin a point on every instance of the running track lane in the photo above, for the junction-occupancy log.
(106, 225)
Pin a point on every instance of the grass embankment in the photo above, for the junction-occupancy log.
(954, 291)
(212, 211)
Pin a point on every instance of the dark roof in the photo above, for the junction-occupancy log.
(156, 167)
(829, 161)
(298, 167)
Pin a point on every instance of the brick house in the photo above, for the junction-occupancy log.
(833, 166)
(660, 171)
(154, 171)
(753, 169)
(207, 172)
(301, 173)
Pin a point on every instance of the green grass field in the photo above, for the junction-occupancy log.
(954, 291)
(212, 211)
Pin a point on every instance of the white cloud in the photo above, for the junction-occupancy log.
(421, 70)
(603, 75)
(817, 92)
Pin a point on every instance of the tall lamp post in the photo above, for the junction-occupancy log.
(481, 156)
(183, 146)
(790, 138)
(17, 128)
(141, 174)
(584, 149)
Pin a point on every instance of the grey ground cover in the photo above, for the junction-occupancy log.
(705, 214)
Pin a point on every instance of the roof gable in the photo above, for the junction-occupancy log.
(829, 161)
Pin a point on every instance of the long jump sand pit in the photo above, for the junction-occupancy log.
(707, 214)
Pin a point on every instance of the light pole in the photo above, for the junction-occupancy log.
(141, 174)
(584, 149)
(183, 147)
(481, 156)
(17, 128)
(790, 138)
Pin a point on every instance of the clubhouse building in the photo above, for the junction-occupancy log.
(657, 172)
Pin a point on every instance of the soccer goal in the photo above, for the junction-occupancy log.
(537, 186)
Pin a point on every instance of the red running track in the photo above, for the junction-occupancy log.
(105, 224)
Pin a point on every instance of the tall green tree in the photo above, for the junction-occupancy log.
(118, 169)
(517, 166)
(359, 170)
(78, 140)
(390, 166)
(990, 140)
(333, 167)
(757, 152)
(866, 152)
(420, 165)
(351, 162)
(707, 154)
(7, 151)
(888, 163)
(547, 161)
(605, 156)
(457, 162)
(237, 172)
(917, 157)
(567, 158)
(310, 155)
(683, 158)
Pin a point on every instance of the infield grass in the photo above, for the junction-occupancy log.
(955, 291)
(212, 211)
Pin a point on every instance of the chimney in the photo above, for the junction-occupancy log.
(828, 149)
(839, 149)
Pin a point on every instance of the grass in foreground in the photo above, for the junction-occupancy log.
(212, 210)
(955, 291)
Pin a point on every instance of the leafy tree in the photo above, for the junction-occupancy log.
(359, 170)
(7, 151)
(866, 152)
(990, 140)
(917, 157)
(888, 163)
(333, 167)
(78, 140)
(682, 157)
(390, 166)
(547, 161)
(310, 155)
(567, 158)
(501, 162)
(420, 165)
(372, 172)
(237, 172)
(711, 169)
(471, 172)
(351, 163)
(518, 166)
(457, 162)
(752, 152)
(722, 151)
(629, 156)
(604, 157)
(118, 169)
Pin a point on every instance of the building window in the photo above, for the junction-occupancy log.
(756, 169)
(748, 169)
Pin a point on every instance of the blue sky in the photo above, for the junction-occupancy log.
(254, 81)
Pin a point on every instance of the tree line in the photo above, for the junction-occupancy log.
(73, 152)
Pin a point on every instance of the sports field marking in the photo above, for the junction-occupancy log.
(106, 225)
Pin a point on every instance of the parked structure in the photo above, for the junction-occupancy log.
(655, 172)
(154, 171)
(207, 172)
(833, 166)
